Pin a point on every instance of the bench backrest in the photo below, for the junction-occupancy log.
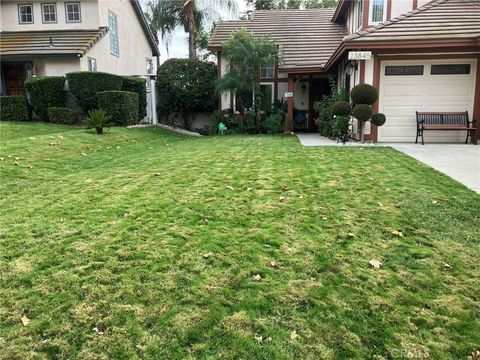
(447, 118)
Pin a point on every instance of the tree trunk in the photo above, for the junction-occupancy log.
(192, 36)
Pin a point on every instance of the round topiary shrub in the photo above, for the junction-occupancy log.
(139, 86)
(364, 94)
(362, 112)
(341, 108)
(13, 108)
(60, 115)
(45, 92)
(121, 106)
(379, 119)
(85, 85)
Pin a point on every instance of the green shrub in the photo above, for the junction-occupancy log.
(379, 119)
(139, 86)
(341, 108)
(45, 92)
(60, 115)
(364, 94)
(98, 119)
(121, 106)
(13, 108)
(85, 85)
(362, 112)
(323, 108)
(340, 127)
(273, 124)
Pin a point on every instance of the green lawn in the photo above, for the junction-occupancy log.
(144, 244)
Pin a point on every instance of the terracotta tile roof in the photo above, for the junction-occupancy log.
(45, 43)
(307, 38)
(437, 20)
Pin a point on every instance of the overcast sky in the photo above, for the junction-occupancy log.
(178, 45)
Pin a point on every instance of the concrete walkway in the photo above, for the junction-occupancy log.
(459, 161)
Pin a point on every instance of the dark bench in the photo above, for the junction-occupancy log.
(444, 121)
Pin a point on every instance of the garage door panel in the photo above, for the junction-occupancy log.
(401, 96)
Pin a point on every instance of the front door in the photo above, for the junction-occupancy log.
(15, 77)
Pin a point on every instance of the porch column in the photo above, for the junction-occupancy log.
(291, 88)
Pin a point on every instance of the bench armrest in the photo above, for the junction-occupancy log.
(473, 123)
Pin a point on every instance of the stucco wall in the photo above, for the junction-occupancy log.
(133, 44)
(56, 67)
(10, 21)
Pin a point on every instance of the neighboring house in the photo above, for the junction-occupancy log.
(425, 56)
(41, 38)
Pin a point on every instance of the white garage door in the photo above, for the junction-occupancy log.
(436, 86)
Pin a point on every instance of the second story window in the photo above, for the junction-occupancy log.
(377, 11)
(49, 13)
(72, 12)
(25, 14)
(359, 20)
(113, 30)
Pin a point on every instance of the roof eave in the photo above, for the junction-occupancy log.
(339, 10)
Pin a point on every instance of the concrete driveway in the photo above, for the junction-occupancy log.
(459, 161)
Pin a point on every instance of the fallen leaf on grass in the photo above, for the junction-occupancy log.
(447, 266)
(352, 235)
(229, 187)
(434, 202)
(157, 174)
(324, 218)
(207, 255)
(375, 263)
(259, 338)
(60, 136)
(281, 198)
(25, 320)
(83, 154)
(397, 233)
(52, 144)
(380, 204)
(31, 138)
(249, 189)
(257, 277)
(109, 147)
(293, 334)
(16, 163)
(29, 167)
(1, 158)
(97, 330)
(273, 264)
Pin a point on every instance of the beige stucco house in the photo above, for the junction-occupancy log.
(42, 38)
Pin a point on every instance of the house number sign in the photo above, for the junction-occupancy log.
(359, 55)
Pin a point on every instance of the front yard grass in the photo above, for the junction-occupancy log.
(144, 244)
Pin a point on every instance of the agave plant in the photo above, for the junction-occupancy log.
(98, 119)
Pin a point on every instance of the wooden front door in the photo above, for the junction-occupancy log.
(15, 77)
(318, 89)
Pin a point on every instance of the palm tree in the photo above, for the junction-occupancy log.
(246, 55)
(165, 15)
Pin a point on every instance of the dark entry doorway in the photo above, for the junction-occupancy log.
(14, 79)
(318, 89)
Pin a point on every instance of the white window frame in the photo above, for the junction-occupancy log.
(79, 12)
(113, 34)
(54, 13)
(92, 63)
(20, 15)
(359, 15)
(370, 13)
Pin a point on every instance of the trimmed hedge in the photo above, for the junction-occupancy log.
(14, 108)
(364, 94)
(85, 85)
(362, 112)
(121, 106)
(45, 92)
(59, 115)
(379, 119)
(341, 108)
(139, 86)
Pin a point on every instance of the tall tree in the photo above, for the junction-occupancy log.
(165, 15)
(246, 55)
